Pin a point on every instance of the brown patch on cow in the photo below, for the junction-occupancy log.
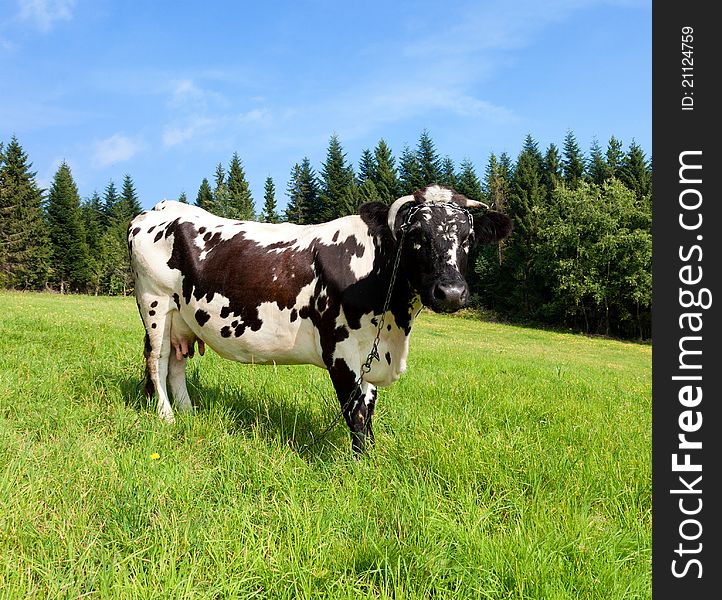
(154, 304)
(151, 313)
(176, 299)
(243, 271)
(153, 325)
(151, 228)
(158, 236)
(294, 315)
(335, 236)
(136, 230)
(388, 357)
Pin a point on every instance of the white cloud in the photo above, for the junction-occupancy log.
(174, 135)
(44, 14)
(117, 148)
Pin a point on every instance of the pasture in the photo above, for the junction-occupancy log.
(509, 463)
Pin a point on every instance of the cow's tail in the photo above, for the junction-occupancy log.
(149, 387)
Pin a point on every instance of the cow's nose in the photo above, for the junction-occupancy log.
(450, 296)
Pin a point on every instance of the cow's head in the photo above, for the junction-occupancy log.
(440, 232)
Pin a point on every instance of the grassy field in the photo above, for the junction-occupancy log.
(509, 463)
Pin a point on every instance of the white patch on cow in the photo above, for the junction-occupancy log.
(395, 342)
(435, 194)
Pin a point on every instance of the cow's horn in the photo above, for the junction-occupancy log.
(474, 204)
(394, 210)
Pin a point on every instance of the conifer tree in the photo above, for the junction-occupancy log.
(598, 168)
(339, 193)
(295, 211)
(495, 185)
(67, 235)
(573, 161)
(24, 242)
(110, 204)
(635, 172)
(269, 214)
(92, 213)
(552, 173)
(519, 287)
(304, 206)
(220, 192)
(615, 156)
(314, 210)
(367, 192)
(468, 182)
(366, 167)
(385, 177)
(448, 173)
(410, 178)
(204, 198)
(129, 204)
(239, 202)
(428, 160)
(182, 198)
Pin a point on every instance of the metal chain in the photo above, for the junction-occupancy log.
(374, 353)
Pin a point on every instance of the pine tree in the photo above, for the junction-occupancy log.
(67, 236)
(204, 199)
(496, 184)
(269, 214)
(295, 210)
(410, 178)
(468, 182)
(615, 156)
(183, 199)
(129, 205)
(448, 173)
(314, 210)
(305, 205)
(366, 167)
(552, 167)
(339, 193)
(573, 161)
(598, 168)
(220, 192)
(521, 287)
(367, 192)
(239, 202)
(428, 160)
(110, 204)
(385, 177)
(92, 213)
(24, 242)
(635, 172)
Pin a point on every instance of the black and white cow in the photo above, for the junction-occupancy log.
(301, 294)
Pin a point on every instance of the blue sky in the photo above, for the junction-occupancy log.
(164, 91)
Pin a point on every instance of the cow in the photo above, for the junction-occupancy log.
(302, 294)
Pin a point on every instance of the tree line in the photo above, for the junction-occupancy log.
(579, 255)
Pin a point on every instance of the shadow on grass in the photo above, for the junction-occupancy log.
(282, 419)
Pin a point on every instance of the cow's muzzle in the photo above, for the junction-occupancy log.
(449, 296)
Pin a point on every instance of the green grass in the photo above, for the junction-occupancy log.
(509, 463)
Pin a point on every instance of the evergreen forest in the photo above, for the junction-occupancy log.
(579, 257)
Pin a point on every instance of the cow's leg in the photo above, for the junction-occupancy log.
(177, 382)
(182, 348)
(155, 312)
(357, 403)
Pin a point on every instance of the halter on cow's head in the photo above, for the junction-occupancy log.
(439, 232)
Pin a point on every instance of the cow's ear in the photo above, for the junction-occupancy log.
(491, 227)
